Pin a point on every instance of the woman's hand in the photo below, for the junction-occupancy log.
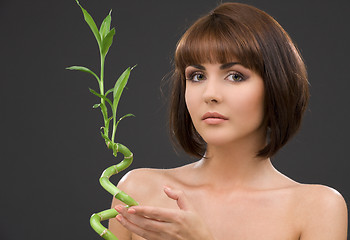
(154, 223)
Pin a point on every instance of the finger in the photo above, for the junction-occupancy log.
(155, 213)
(140, 225)
(144, 219)
(122, 210)
(142, 232)
(180, 198)
(119, 208)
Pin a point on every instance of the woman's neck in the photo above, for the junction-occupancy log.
(234, 165)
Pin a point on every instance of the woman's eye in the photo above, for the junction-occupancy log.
(196, 77)
(236, 77)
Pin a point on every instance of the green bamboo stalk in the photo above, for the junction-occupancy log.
(104, 38)
(96, 218)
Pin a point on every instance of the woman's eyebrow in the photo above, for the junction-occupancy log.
(222, 67)
(198, 66)
(228, 65)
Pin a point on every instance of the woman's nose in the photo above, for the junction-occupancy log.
(212, 92)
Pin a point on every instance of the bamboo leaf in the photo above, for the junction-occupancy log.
(107, 42)
(84, 69)
(101, 96)
(107, 122)
(96, 105)
(109, 91)
(90, 21)
(125, 116)
(105, 114)
(105, 137)
(106, 25)
(121, 83)
(133, 67)
(118, 89)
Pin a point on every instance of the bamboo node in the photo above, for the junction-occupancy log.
(116, 169)
(104, 232)
(116, 193)
(131, 156)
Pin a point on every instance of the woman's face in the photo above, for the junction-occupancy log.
(226, 102)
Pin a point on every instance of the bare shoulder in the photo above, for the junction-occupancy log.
(139, 182)
(146, 185)
(141, 185)
(323, 212)
(320, 196)
(135, 177)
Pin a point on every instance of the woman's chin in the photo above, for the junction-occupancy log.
(218, 141)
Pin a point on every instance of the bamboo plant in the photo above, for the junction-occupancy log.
(104, 37)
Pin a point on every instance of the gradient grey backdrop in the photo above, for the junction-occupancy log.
(51, 152)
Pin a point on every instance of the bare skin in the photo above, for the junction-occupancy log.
(230, 194)
(280, 210)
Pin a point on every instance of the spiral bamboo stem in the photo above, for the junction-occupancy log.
(97, 218)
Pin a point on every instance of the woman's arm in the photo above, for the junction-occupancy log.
(154, 223)
(325, 215)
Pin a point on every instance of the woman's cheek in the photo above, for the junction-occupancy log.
(192, 103)
(250, 103)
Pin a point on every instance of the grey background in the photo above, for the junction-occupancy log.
(51, 152)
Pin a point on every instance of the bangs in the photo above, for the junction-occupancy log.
(216, 39)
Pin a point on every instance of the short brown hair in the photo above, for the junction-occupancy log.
(255, 39)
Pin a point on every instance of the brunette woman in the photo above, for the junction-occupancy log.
(239, 91)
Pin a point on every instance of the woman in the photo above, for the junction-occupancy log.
(239, 92)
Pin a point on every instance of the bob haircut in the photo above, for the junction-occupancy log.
(235, 31)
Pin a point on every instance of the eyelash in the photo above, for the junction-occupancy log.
(192, 75)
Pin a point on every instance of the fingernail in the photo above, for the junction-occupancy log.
(119, 208)
(131, 210)
(119, 217)
(167, 188)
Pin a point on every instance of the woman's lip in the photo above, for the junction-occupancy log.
(214, 115)
(214, 121)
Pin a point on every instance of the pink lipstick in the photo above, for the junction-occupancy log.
(213, 118)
